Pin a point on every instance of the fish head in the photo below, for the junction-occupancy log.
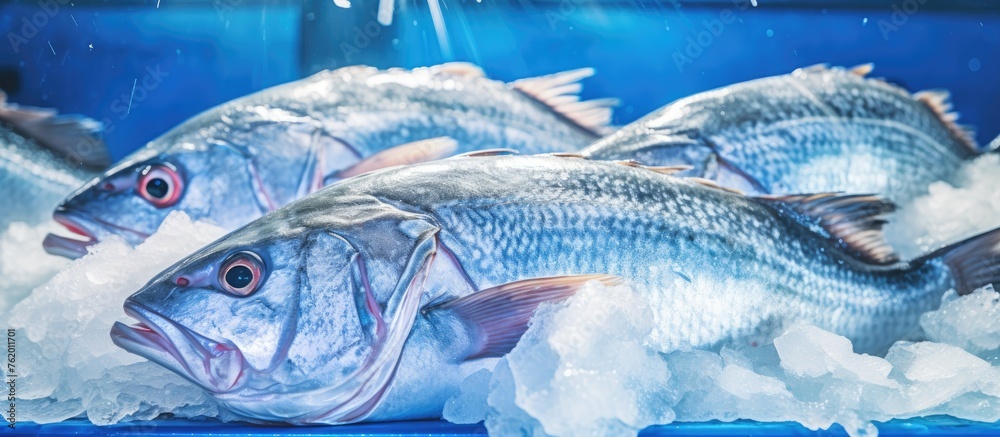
(223, 171)
(298, 317)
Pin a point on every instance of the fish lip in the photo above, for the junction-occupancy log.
(66, 247)
(88, 227)
(192, 359)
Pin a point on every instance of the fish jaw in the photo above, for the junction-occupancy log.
(91, 229)
(218, 367)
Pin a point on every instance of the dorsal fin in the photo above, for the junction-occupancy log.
(669, 169)
(487, 152)
(994, 145)
(712, 184)
(863, 69)
(939, 102)
(464, 69)
(854, 222)
(629, 163)
(816, 68)
(561, 93)
(73, 137)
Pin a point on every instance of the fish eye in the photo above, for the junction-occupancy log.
(241, 273)
(160, 185)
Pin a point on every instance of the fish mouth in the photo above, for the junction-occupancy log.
(218, 367)
(90, 229)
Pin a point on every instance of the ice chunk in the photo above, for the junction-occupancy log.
(68, 365)
(24, 264)
(809, 351)
(744, 383)
(971, 322)
(951, 210)
(469, 406)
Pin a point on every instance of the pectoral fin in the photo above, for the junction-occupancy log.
(410, 153)
(499, 316)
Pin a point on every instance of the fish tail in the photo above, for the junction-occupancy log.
(974, 263)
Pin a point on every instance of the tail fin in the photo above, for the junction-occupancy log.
(73, 137)
(974, 262)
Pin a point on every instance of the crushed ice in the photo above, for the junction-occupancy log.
(591, 366)
(24, 264)
(952, 210)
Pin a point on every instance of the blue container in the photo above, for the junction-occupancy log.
(143, 66)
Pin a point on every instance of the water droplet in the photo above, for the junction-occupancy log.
(311, 16)
(974, 64)
(864, 21)
(770, 33)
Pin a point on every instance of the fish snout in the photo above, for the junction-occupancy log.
(92, 230)
(217, 366)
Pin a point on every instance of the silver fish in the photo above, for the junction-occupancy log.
(374, 298)
(44, 157)
(240, 160)
(816, 130)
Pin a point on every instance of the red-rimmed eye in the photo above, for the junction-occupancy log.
(160, 185)
(241, 273)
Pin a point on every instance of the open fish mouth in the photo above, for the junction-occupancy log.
(89, 229)
(216, 367)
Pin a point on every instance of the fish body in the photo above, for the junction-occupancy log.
(36, 169)
(252, 155)
(372, 299)
(816, 130)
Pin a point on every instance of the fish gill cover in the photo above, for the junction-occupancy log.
(596, 364)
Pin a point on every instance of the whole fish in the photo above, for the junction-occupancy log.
(372, 299)
(816, 130)
(240, 160)
(44, 157)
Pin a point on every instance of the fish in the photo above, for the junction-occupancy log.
(818, 129)
(242, 159)
(373, 298)
(43, 158)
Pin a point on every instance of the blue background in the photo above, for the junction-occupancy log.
(95, 58)
(214, 50)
